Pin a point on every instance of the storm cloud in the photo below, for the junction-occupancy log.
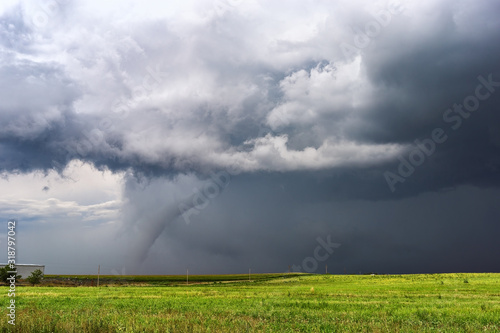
(373, 124)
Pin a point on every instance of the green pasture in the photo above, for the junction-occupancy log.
(268, 303)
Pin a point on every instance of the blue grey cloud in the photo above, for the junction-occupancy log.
(314, 110)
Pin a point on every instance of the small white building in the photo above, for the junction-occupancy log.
(25, 270)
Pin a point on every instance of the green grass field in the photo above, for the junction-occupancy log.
(269, 303)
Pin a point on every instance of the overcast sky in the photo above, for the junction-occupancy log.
(230, 134)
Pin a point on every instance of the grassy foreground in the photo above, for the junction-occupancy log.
(300, 303)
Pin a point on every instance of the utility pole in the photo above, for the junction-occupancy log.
(288, 269)
(187, 276)
(249, 270)
(98, 273)
(326, 269)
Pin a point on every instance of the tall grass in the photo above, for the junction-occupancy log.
(318, 303)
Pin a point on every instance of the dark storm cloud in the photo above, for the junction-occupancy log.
(307, 132)
(208, 121)
(267, 227)
(430, 69)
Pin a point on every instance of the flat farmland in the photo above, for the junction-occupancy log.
(267, 303)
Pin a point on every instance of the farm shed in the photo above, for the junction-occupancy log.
(25, 270)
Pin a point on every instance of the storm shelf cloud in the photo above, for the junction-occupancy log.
(222, 135)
